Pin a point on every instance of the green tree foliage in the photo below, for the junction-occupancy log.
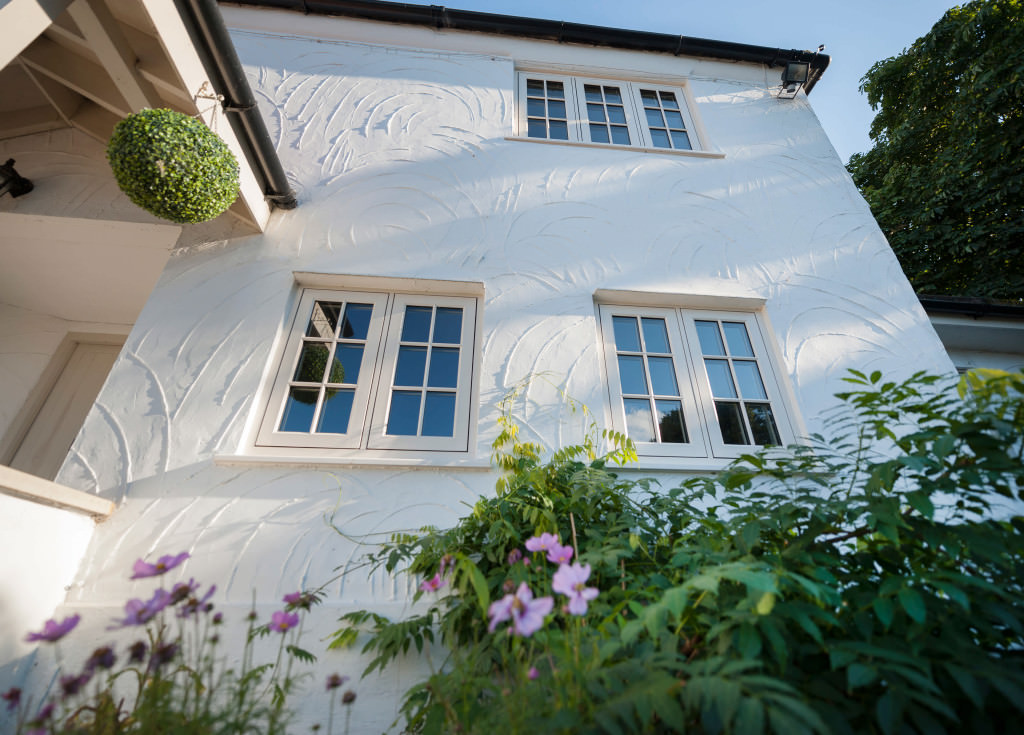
(866, 584)
(945, 178)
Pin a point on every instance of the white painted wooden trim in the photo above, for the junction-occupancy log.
(22, 21)
(387, 284)
(679, 301)
(37, 490)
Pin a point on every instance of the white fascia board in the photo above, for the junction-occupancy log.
(22, 22)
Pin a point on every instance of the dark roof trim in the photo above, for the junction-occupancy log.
(438, 16)
(972, 307)
(203, 19)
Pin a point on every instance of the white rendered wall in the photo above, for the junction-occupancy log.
(403, 167)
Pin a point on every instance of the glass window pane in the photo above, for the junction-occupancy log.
(599, 134)
(444, 367)
(347, 360)
(439, 414)
(680, 140)
(324, 320)
(731, 423)
(595, 113)
(720, 378)
(663, 376)
(620, 135)
(749, 379)
(416, 326)
(535, 108)
(559, 130)
(412, 363)
(654, 118)
(535, 86)
(299, 409)
(312, 363)
(762, 424)
(710, 338)
(536, 129)
(556, 90)
(356, 323)
(736, 337)
(631, 374)
(593, 93)
(336, 411)
(556, 108)
(612, 96)
(639, 423)
(650, 99)
(674, 120)
(668, 101)
(655, 335)
(660, 139)
(671, 423)
(405, 413)
(448, 325)
(627, 337)
(617, 115)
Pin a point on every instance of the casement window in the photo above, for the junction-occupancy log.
(692, 382)
(605, 111)
(370, 370)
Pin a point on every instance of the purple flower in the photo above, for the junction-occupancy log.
(163, 654)
(101, 658)
(526, 614)
(137, 652)
(282, 621)
(433, 584)
(182, 590)
(194, 604)
(13, 697)
(571, 582)
(138, 612)
(218, 618)
(71, 685)
(334, 681)
(514, 556)
(300, 600)
(532, 673)
(348, 697)
(560, 554)
(541, 543)
(163, 564)
(53, 631)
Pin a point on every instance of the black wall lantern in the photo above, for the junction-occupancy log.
(794, 76)
(11, 182)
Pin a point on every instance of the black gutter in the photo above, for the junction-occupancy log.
(971, 306)
(203, 19)
(440, 17)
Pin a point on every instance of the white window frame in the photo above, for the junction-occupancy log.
(366, 436)
(694, 386)
(636, 120)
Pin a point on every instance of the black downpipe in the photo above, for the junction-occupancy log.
(228, 77)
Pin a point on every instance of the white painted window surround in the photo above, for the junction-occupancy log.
(606, 112)
(693, 384)
(375, 368)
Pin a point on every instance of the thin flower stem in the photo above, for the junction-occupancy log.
(575, 544)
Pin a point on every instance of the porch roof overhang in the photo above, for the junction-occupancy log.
(87, 64)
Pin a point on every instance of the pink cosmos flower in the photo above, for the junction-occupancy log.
(541, 543)
(560, 554)
(532, 673)
(13, 698)
(571, 582)
(526, 613)
(137, 612)
(433, 584)
(53, 631)
(282, 621)
(300, 600)
(163, 564)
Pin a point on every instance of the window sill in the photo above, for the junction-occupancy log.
(262, 456)
(612, 147)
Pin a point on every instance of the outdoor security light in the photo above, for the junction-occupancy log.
(11, 182)
(793, 78)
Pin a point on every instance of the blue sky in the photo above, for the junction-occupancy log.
(856, 34)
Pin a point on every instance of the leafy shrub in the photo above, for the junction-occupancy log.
(868, 582)
(173, 166)
(174, 678)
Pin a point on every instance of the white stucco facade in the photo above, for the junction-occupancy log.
(401, 144)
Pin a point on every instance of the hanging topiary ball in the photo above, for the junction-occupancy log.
(173, 166)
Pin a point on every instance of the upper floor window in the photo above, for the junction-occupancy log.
(604, 111)
(692, 383)
(374, 370)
